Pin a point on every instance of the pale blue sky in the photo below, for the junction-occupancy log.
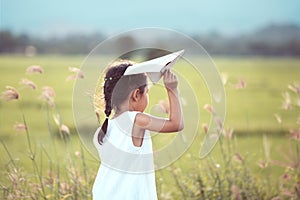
(60, 17)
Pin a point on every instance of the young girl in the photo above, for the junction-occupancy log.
(123, 142)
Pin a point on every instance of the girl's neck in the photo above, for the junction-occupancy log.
(121, 110)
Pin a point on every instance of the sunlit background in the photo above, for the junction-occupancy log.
(234, 27)
(254, 44)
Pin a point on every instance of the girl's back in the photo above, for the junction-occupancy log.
(126, 171)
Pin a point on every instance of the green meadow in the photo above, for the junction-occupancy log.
(260, 161)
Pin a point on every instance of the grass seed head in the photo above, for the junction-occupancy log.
(20, 127)
(295, 134)
(76, 74)
(205, 128)
(34, 69)
(295, 87)
(241, 84)
(208, 108)
(48, 95)
(10, 94)
(65, 129)
(28, 83)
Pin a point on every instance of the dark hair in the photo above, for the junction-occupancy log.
(117, 88)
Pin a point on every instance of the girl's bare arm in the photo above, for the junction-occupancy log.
(175, 121)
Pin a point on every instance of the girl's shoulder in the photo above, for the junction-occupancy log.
(125, 116)
(125, 120)
(142, 119)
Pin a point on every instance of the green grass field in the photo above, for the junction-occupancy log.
(250, 112)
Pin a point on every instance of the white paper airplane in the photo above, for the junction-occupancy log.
(155, 67)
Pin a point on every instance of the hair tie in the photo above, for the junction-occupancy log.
(108, 78)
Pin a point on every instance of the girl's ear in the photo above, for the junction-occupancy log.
(135, 94)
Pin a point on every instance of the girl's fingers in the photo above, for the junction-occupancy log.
(172, 76)
(170, 79)
(168, 74)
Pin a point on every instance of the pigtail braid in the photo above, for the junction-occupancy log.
(108, 108)
(116, 90)
(113, 75)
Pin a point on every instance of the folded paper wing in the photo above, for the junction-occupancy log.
(155, 67)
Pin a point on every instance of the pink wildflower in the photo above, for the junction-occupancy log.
(295, 87)
(262, 164)
(28, 83)
(64, 188)
(49, 91)
(48, 95)
(205, 128)
(228, 133)
(235, 192)
(219, 122)
(10, 94)
(295, 134)
(77, 74)
(20, 127)
(237, 157)
(287, 192)
(208, 108)
(286, 176)
(34, 69)
(64, 129)
(241, 84)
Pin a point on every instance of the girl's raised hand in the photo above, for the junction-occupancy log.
(170, 80)
(175, 121)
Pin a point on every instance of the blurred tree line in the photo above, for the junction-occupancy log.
(272, 40)
(71, 44)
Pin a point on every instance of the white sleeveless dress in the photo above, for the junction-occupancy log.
(126, 171)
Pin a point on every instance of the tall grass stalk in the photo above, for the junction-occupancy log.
(11, 160)
(32, 156)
